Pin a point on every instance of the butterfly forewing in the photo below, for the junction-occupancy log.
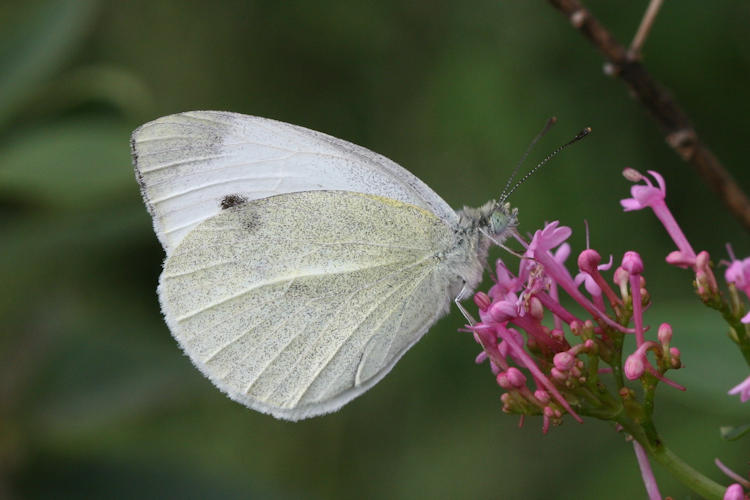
(295, 304)
(188, 163)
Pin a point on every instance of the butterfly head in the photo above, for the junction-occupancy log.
(501, 219)
(495, 220)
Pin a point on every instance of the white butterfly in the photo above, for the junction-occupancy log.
(300, 267)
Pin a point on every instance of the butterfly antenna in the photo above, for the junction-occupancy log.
(541, 134)
(583, 133)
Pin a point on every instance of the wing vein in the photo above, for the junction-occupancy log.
(211, 184)
(183, 162)
(302, 330)
(276, 281)
(327, 362)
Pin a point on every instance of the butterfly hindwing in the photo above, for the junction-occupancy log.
(297, 303)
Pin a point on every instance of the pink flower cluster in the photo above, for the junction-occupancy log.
(564, 374)
(553, 370)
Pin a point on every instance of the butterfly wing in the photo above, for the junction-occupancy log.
(297, 303)
(188, 164)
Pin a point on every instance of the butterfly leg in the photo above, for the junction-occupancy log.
(500, 244)
(461, 296)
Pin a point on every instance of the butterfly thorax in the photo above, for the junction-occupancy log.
(476, 230)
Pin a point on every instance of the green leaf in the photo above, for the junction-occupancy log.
(733, 433)
(69, 164)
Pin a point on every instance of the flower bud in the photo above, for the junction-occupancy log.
(620, 276)
(634, 366)
(482, 300)
(665, 334)
(576, 327)
(502, 311)
(542, 396)
(632, 262)
(516, 378)
(588, 260)
(502, 381)
(558, 335)
(674, 354)
(563, 361)
(558, 375)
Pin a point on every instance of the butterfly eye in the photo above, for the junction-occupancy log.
(499, 221)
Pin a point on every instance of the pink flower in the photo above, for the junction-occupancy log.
(743, 389)
(505, 282)
(539, 248)
(644, 196)
(548, 238)
(738, 273)
(482, 300)
(559, 371)
(653, 197)
(589, 264)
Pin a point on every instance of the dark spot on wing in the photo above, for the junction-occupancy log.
(249, 219)
(232, 200)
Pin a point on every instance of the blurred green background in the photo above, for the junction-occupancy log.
(96, 399)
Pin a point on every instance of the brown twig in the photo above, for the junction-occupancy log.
(634, 52)
(674, 123)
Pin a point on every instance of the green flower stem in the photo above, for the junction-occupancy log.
(646, 435)
(649, 391)
(742, 338)
(690, 477)
(616, 364)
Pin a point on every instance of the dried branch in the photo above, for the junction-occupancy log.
(674, 123)
(644, 29)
